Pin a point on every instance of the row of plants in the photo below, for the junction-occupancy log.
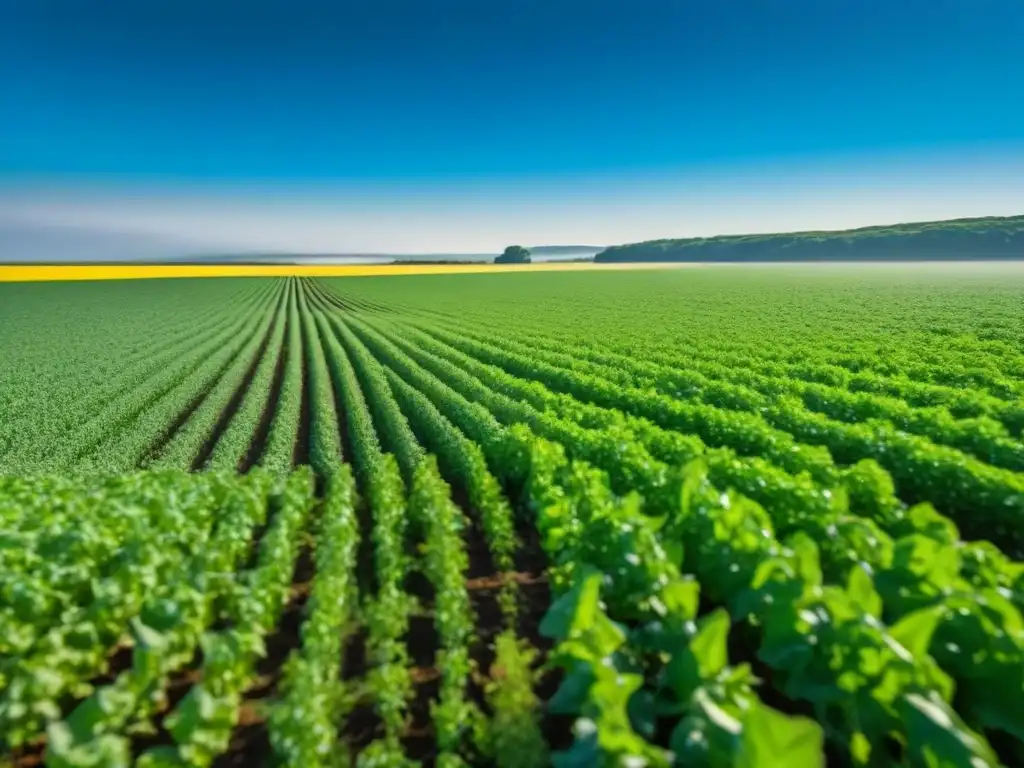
(305, 719)
(864, 488)
(925, 519)
(387, 609)
(279, 451)
(183, 447)
(324, 434)
(985, 500)
(765, 361)
(634, 563)
(97, 437)
(511, 737)
(745, 385)
(236, 442)
(96, 372)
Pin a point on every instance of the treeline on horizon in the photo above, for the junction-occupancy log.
(955, 240)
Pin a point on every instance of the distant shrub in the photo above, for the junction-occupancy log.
(514, 254)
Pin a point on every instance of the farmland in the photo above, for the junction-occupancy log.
(721, 516)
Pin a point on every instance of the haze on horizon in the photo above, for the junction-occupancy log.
(461, 127)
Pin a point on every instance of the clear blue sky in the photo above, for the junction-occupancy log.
(405, 102)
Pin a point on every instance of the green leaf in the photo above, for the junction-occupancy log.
(681, 597)
(643, 713)
(575, 609)
(709, 646)
(928, 522)
(584, 752)
(771, 738)
(698, 662)
(940, 561)
(914, 631)
(146, 636)
(107, 751)
(577, 617)
(1009, 619)
(860, 748)
(862, 592)
(708, 736)
(106, 710)
(694, 477)
(996, 707)
(806, 559)
(615, 734)
(937, 737)
(161, 757)
(574, 691)
(674, 550)
(839, 501)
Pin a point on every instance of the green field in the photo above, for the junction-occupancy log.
(753, 516)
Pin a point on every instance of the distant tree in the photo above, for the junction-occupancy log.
(514, 254)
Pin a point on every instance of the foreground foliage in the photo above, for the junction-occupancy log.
(679, 519)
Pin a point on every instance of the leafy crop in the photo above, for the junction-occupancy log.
(699, 517)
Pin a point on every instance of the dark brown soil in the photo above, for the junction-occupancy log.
(348, 303)
(417, 585)
(361, 725)
(177, 688)
(181, 681)
(234, 403)
(422, 643)
(419, 738)
(29, 756)
(534, 601)
(300, 452)
(250, 742)
(186, 413)
(118, 660)
(269, 409)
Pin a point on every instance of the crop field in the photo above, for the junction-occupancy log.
(728, 516)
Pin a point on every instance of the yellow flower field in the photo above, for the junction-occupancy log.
(33, 273)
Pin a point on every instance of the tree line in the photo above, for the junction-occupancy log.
(956, 240)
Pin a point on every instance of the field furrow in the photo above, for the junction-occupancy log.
(189, 441)
(684, 374)
(282, 436)
(987, 501)
(238, 443)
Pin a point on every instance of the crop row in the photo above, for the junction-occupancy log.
(741, 567)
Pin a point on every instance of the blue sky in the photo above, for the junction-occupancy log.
(452, 125)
